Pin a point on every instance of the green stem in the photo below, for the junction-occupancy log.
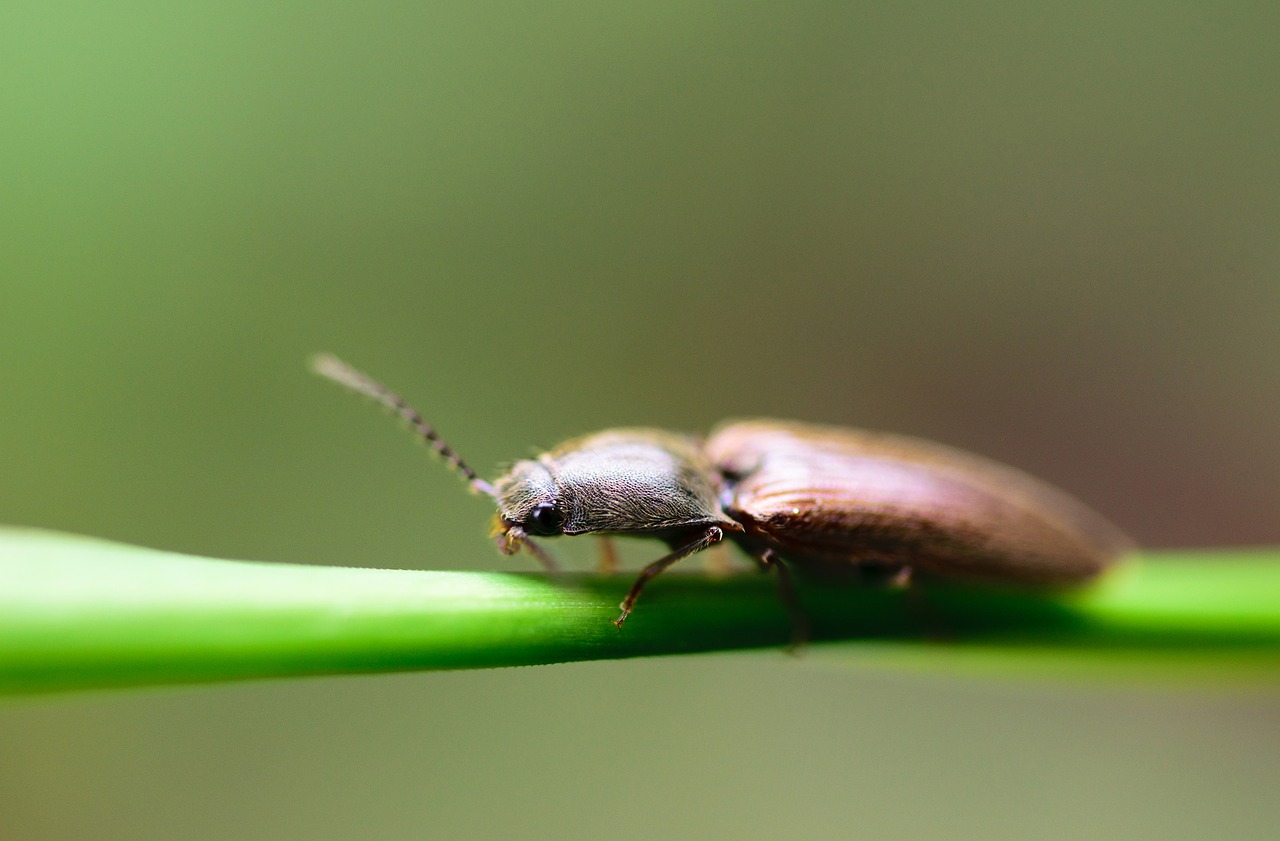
(79, 613)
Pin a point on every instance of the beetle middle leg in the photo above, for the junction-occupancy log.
(709, 537)
(608, 555)
(768, 560)
(888, 573)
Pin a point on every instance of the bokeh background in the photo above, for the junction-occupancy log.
(1046, 234)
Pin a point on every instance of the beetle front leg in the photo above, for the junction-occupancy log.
(710, 537)
(543, 556)
(513, 539)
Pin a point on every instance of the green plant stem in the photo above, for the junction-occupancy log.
(78, 613)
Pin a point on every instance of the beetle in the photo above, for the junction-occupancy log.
(819, 498)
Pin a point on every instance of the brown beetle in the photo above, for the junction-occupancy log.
(816, 497)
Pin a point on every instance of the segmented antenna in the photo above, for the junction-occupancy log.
(330, 366)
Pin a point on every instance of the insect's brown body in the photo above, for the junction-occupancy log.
(820, 498)
(831, 498)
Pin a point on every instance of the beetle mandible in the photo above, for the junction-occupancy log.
(820, 498)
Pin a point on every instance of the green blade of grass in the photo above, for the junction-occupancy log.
(79, 613)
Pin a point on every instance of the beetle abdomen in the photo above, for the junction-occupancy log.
(832, 497)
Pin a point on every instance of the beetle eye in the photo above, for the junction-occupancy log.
(544, 520)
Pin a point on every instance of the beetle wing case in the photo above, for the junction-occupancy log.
(829, 497)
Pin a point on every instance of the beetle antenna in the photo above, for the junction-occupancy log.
(329, 366)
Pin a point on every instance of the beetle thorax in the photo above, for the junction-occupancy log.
(621, 482)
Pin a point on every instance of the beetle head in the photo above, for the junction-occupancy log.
(528, 505)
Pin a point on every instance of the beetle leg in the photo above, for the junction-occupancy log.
(769, 560)
(608, 555)
(885, 573)
(543, 556)
(512, 539)
(718, 563)
(711, 536)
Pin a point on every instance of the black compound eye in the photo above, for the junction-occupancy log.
(544, 520)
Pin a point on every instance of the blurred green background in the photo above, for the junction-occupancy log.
(1045, 234)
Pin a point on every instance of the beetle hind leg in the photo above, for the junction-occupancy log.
(708, 537)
